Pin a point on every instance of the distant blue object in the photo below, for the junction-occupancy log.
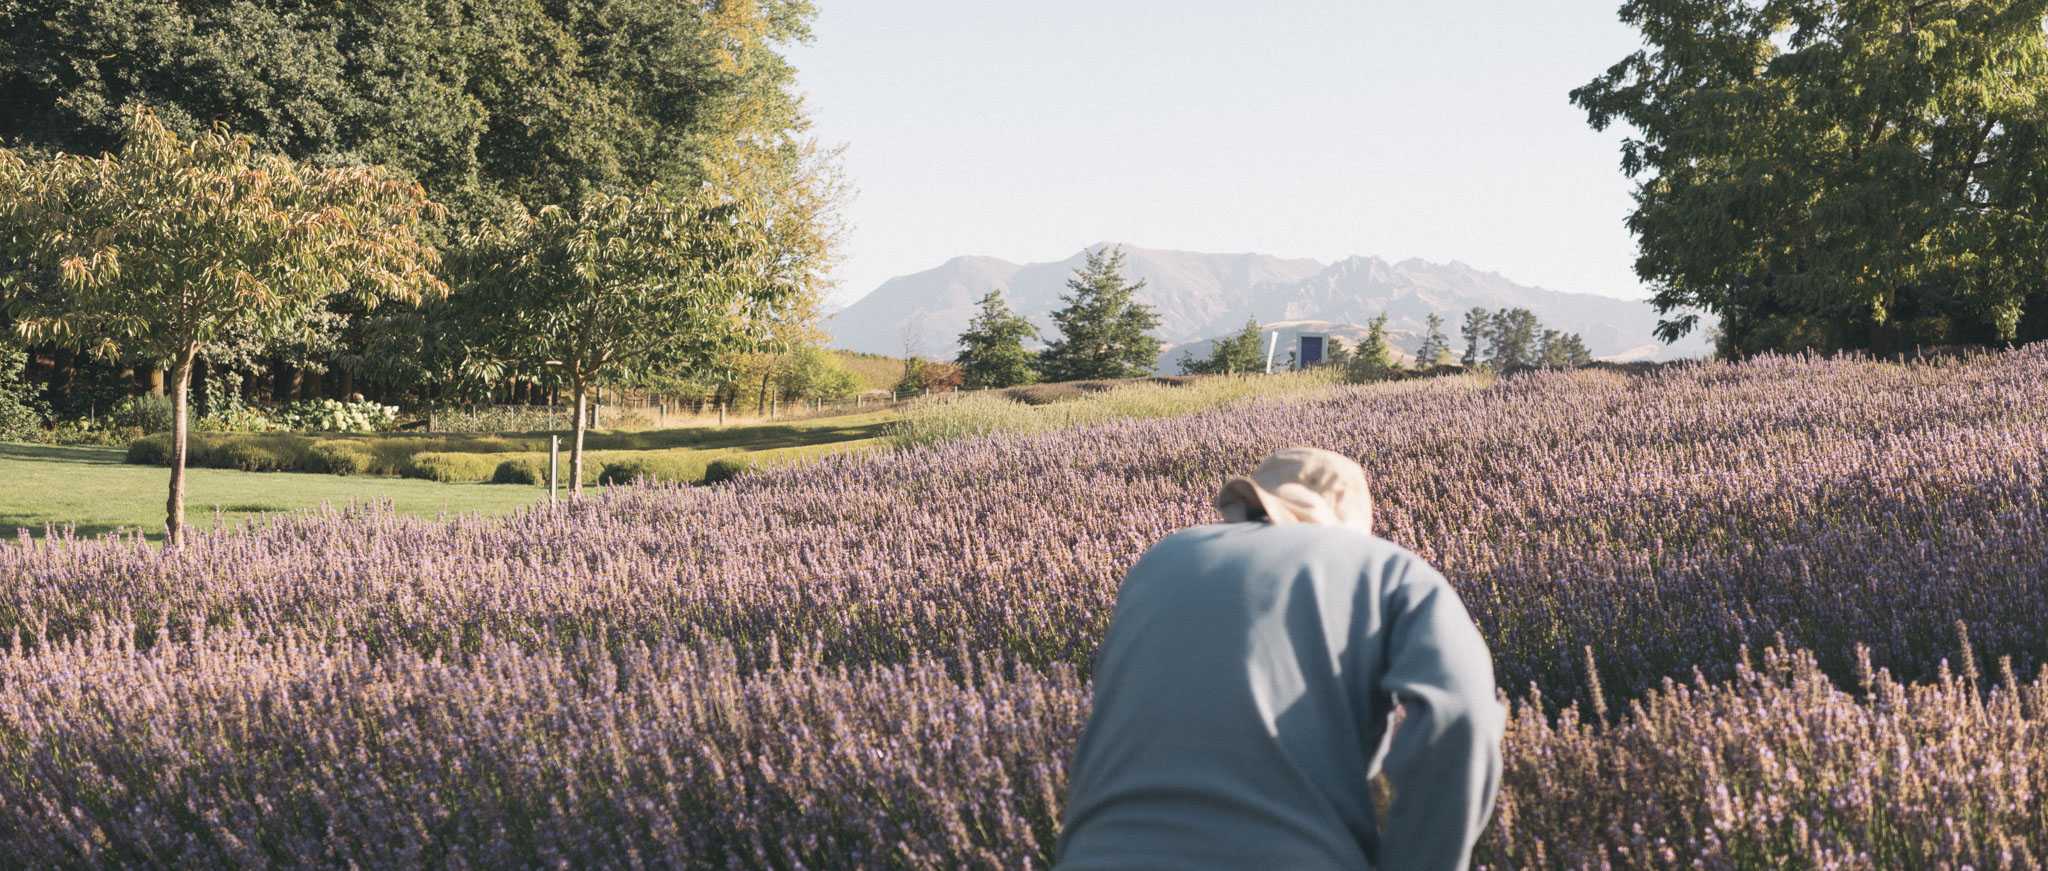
(1310, 352)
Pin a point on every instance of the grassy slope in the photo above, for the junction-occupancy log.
(91, 489)
(873, 371)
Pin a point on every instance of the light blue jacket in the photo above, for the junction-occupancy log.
(1243, 700)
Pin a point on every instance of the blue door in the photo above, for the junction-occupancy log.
(1311, 351)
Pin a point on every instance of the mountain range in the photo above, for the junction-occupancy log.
(1200, 297)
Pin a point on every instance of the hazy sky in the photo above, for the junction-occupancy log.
(1308, 128)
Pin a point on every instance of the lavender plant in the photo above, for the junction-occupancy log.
(882, 660)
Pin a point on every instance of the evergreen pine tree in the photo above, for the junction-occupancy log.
(1374, 359)
(1513, 333)
(992, 352)
(1236, 355)
(1562, 350)
(1335, 354)
(1477, 324)
(1435, 346)
(1104, 331)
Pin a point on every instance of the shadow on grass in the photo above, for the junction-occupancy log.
(753, 438)
(95, 455)
(40, 527)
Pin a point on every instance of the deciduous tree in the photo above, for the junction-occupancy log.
(1837, 173)
(620, 285)
(174, 242)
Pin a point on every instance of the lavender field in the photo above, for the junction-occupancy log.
(1789, 611)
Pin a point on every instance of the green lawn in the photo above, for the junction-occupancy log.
(91, 489)
(748, 437)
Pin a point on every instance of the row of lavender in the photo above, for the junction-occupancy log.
(883, 661)
(1665, 521)
(245, 751)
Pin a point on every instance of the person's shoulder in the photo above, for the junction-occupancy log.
(1389, 563)
(1304, 538)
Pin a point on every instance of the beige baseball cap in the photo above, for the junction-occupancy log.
(1300, 485)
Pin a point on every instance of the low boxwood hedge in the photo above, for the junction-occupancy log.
(451, 468)
(462, 459)
(339, 457)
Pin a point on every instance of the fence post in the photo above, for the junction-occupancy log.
(554, 465)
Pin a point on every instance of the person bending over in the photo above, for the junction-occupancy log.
(1247, 690)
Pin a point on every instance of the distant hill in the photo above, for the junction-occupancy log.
(1204, 296)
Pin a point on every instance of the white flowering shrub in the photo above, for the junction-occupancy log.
(330, 415)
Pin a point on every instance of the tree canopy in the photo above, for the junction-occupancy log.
(487, 102)
(1104, 331)
(1829, 174)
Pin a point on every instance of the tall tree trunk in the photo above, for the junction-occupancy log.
(576, 443)
(156, 382)
(348, 384)
(181, 401)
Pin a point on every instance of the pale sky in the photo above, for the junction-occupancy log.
(1304, 128)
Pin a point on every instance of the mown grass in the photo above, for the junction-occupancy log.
(241, 477)
(91, 490)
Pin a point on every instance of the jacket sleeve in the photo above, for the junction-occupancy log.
(1444, 764)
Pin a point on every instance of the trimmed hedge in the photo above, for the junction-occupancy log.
(465, 460)
(521, 470)
(149, 451)
(649, 466)
(337, 457)
(726, 469)
(253, 456)
(451, 468)
(332, 454)
(533, 469)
